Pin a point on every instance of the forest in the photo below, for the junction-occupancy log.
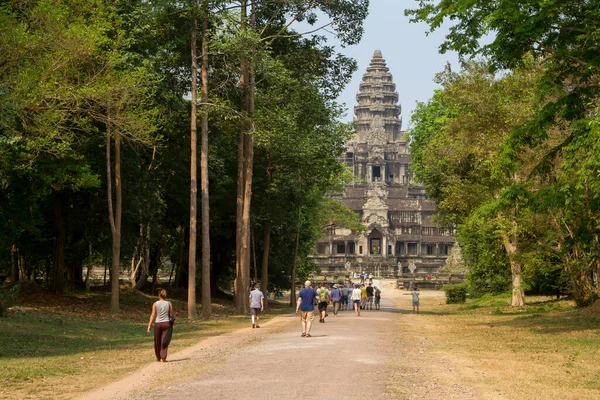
(199, 137)
(509, 146)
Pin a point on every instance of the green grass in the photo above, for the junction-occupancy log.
(72, 343)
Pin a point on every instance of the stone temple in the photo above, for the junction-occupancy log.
(400, 235)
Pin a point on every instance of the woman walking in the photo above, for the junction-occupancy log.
(161, 310)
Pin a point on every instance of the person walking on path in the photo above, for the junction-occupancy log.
(370, 294)
(324, 300)
(415, 300)
(257, 305)
(377, 298)
(362, 277)
(356, 294)
(370, 278)
(305, 306)
(363, 296)
(346, 291)
(336, 299)
(161, 310)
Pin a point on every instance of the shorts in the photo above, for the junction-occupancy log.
(415, 303)
(370, 299)
(323, 306)
(377, 299)
(344, 299)
(255, 311)
(307, 315)
(356, 301)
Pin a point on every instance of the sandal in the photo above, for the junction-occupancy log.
(308, 335)
(303, 334)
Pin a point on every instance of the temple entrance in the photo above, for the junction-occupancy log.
(375, 242)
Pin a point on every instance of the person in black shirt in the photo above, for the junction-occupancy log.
(370, 293)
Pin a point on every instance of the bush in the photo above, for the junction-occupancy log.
(455, 293)
(7, 299)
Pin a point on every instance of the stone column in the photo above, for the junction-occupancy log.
(331, 248)
(384, 246)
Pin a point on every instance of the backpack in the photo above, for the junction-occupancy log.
(323, 295)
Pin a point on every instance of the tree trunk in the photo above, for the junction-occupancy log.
(206, 297)
(14, 264)
(242, 279)
(295, 263)
(58, 254)
(114, 216)
(139, 280)
(192, 314)
(516, 269)
(264, 271)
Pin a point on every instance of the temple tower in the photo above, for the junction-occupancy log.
(400, 235)
(377, 111)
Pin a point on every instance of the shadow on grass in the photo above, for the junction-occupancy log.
(407, 311)
(546, 322)
(81, 324)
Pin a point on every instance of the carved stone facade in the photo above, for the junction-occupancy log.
(401, 235)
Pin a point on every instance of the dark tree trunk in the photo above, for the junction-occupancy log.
(295, 263)
(14, 264)
(264, 279)
(58, 252)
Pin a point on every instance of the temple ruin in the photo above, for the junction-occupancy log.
(401, 236)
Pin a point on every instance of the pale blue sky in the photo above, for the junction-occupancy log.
(411, 55)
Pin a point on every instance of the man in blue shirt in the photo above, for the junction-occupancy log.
(305, 306)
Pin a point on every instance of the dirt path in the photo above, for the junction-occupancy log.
(346, 358)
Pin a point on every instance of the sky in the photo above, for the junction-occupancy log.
(411, 55)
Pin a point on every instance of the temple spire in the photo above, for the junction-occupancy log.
(377, 112)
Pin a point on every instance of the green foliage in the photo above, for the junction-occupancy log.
(455, 293)
(554, 151)
(483, 252)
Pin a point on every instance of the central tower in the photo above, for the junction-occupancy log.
(377, 112)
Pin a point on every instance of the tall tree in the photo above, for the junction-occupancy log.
(192, 313)
(206, 294)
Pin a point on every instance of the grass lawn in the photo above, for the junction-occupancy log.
(548, 349)
(63, 346)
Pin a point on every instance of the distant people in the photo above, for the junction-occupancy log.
(362, 277)
(370, 294)
(346, 292)
(377, 298)
(257, 305)
(356, 294)
(161, 310)
(370, 278)
(353, 274)
(415, 300)
(363, 296)
(305, 305)
(324, 300)
(336, 299)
